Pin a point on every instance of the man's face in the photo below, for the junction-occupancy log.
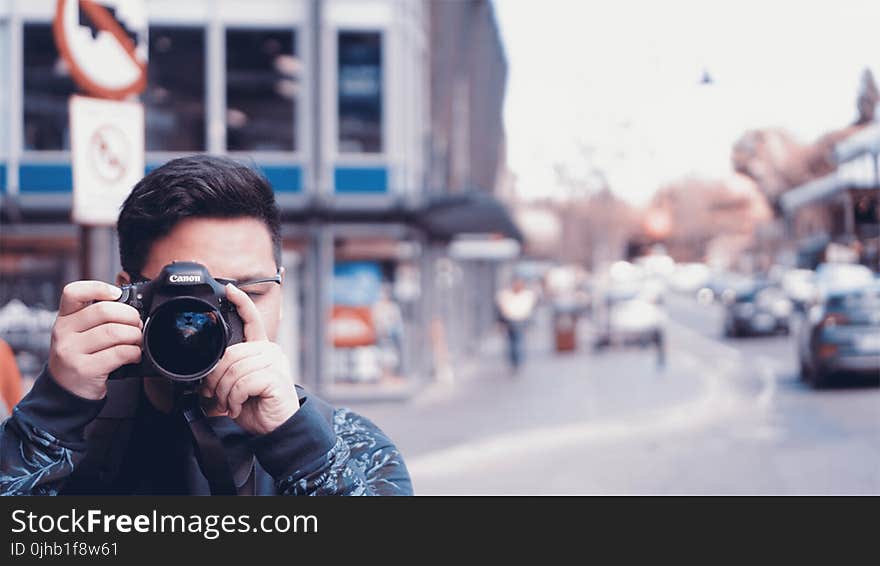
(231, 248)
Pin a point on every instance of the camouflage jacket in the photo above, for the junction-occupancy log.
(58, 443)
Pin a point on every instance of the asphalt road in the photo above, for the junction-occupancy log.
(725, 416)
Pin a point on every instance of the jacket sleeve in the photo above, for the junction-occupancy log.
(44, 440)
(332, 452)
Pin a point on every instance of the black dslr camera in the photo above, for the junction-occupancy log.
(188, 323)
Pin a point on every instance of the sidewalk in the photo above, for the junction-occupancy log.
(552, 389)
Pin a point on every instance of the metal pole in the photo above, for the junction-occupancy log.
(85, 246)
(849, 214)
(98, 253)
(316, 79)
(320, 256)
(318, 302)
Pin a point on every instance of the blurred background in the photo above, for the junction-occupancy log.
(550, 247)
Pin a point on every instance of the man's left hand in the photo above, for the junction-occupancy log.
(252, 382)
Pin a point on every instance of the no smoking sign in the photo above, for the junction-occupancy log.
(107, 139)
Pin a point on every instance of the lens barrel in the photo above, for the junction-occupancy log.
(185, 337)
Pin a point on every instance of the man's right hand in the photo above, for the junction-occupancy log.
(91, 339)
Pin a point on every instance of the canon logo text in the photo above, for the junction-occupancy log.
(185, 278)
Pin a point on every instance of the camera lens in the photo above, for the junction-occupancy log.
(185, 338)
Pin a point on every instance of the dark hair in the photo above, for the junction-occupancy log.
(198, 186)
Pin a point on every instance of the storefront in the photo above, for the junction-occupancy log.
(842, 208)
(329, 100)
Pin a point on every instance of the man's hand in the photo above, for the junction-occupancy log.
(91, 339)
(252, 382)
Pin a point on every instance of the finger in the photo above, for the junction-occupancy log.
(237, 371)
(104, 312)
(113, 358)
(109, 335)
(80, 294)
(252, 385)
(233, 354)
(250, 315)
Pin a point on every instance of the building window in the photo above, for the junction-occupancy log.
(47, 86)
(4, 97)
(262, 86)
(360, 92)
(174, 100)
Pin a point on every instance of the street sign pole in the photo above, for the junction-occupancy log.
(104, 44)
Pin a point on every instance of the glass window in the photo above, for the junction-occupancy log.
(174, 100)
(360, 92)
(262, 85)
(4, 95)
(47, 86)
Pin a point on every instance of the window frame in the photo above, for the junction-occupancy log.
(215, 98)
(299, 153)
(24, 154)
(332, 89)
(161, 156)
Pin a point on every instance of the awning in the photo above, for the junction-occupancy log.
(865, 141)
(442, 217)
(817, 190)
(476, 212)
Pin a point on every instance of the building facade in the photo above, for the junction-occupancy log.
(340, 104)
(841, 208)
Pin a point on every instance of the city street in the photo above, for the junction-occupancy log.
(525, 239)
(723, 416)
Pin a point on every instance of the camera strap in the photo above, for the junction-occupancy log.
(209, 450)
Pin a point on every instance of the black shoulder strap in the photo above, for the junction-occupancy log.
(208, 449)
(106, 438)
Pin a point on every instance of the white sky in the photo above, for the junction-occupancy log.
(622, 76)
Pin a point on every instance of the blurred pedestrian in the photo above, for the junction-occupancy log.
(660, 343)
(516, 305)
(11, 387)
(389, 331)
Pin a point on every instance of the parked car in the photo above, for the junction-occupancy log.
(721, 285)
(836, 277)
(800, 286)
(841, 334)
(756, 307)
(688, 278)
(629, 314)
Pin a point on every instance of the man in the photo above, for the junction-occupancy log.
(515, 308)
(77, 432)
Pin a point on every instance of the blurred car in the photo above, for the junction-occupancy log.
(26, 328)
(688, 278)
(629, 313)
(837, 277)
(841, 334)
(800, 286)
(756, 308)
(719, 285)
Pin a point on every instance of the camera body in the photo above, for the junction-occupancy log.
(188, 323)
